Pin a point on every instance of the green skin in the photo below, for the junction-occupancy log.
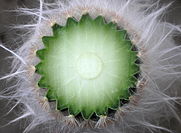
(87, 66)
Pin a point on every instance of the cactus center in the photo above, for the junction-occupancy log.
(89, 66)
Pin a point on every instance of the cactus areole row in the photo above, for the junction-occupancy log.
(88, 66)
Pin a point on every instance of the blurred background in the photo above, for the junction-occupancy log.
(7, 36)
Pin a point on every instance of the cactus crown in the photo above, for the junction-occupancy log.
(88, 66)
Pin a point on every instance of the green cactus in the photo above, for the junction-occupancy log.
(87, 66)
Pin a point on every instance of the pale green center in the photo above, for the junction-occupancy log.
(89, 66)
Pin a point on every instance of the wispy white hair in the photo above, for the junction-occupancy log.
(160, 70)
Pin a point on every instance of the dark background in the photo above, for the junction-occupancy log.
(172, 15)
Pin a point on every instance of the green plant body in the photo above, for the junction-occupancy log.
(87, 66)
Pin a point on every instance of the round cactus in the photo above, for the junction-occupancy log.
(87, 66)
(95, 66)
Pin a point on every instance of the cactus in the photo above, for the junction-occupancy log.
(78, 69)
(87, 66)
